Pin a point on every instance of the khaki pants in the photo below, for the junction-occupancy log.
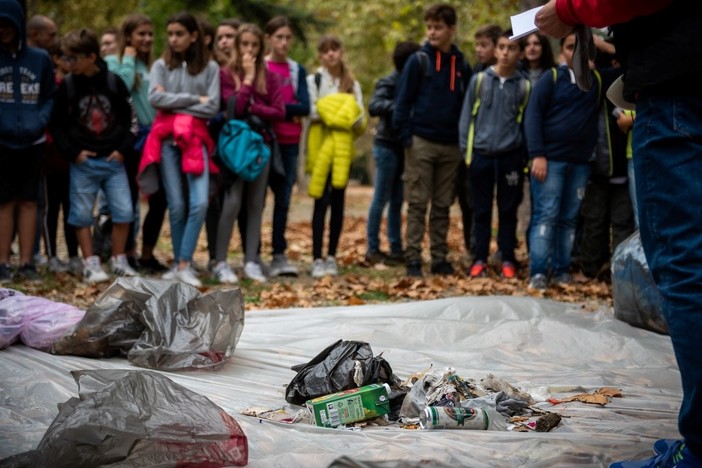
(430, 177)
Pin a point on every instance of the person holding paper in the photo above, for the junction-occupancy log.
(658, 45)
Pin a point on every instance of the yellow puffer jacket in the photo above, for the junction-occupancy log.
(330, 142)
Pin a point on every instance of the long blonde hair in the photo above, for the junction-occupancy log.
(332, 42)
(235, 61)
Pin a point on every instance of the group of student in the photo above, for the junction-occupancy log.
(128, 124)
(449, 131)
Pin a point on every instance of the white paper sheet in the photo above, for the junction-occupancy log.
(524, 23)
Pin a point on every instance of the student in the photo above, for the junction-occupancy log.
(224, 39)
(485, 43)
(491, 121)
(561, 131)
(94, 128)
(132, 64)
(109, 42)
(23, 120)
(330, 146)
(257, 92)
(42, 32)
(427, 108)
(279, 37)
(389, 165)
(538, 56)
(184, 89)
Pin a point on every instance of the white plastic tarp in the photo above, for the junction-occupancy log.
(525, 341)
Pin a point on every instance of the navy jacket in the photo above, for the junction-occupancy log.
(382, 105)
(428, 102)
(26, 86)
(560, 121)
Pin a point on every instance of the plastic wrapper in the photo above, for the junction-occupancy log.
(35, 321)
(133, 419)
(159, 324)
(341, 366)
(636, 298)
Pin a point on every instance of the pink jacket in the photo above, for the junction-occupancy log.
(189, 133)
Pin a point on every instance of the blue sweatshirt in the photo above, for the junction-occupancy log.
(429, 104)
(560, 121)
(26, 86)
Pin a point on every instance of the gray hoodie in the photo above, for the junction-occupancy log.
(496, 128)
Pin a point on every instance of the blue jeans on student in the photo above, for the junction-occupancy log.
(556, 203)
(282, 191)
(186, 221)
(389, 164)
(668, 163)
(87, 178)
(632, 190)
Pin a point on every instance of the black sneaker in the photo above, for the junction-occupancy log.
(133, 262)
(5, 273)
(373, 258)
(442, 267)
(28, 272)
(395, 259)
(414, 268)
(152, 265)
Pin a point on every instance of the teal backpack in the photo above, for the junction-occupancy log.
(242, 150)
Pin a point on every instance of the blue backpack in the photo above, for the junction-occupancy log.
(242, 150)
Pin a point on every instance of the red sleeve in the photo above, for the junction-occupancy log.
(601, 13)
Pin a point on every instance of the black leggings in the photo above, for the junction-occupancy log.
(330, 197)
(57, 197)
(153, 221)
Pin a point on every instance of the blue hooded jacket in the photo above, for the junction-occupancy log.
(26, 86)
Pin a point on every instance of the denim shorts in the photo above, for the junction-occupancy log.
(87, 179)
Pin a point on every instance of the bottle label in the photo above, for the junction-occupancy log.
(446, 417)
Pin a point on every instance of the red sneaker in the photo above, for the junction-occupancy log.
(478, 270)
(509, 271)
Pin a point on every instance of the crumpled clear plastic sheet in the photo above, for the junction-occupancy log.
(35, 321)
(164, 325)
(127, 418)
(636, 298)
(560, 349)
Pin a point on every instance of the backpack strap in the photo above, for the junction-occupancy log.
(525, 89)
(599, 85)
(473, 114)
(231, 107)
(424, 64)
(318, 80)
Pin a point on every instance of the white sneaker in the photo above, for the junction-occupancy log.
(56, 265)
(120, 266)
(252, 270)
(281, 267)
(170, 275)
(330, 266)
(188, 276)
(224, 274)
(92, 271)
(319, 268)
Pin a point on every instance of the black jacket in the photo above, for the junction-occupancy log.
(661, 53)
(382, 105)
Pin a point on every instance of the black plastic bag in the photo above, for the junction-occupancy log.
(636, 298)
(341, 366)
(158, 324)
(134, 419)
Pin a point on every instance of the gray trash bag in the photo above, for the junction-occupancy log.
(126, 418)
(159, 324)
(636, 298)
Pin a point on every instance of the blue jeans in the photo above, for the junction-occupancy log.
(632, 190)
(668, 163)
(186, 221)
(87, 178)
(282, 190)
(556, 203)
(389, 164)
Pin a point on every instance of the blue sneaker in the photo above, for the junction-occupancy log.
(674, 455)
